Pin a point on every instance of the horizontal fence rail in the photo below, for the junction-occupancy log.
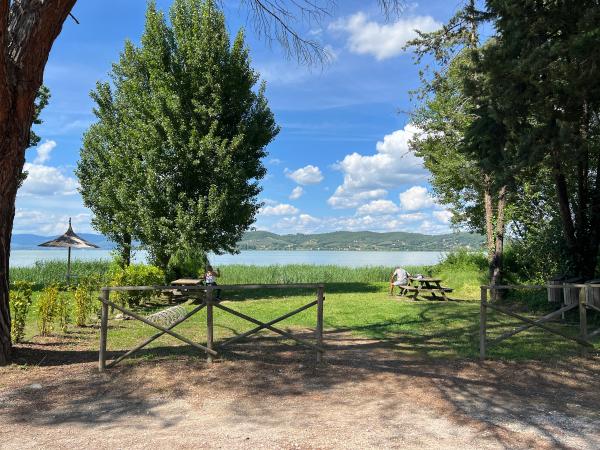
(583, 339)
(208, 302)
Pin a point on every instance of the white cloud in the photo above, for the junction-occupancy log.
(443, 216)
(303, 223)
(378, 207)
(383, 41)
(415, 198)
(297, 192)
(47, 181)
(43, 152)
(343, 198)
(367, 176)
(282, 209)
(306, 175)
(49, 223)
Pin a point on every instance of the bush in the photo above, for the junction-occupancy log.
(20, 301)
(63, 310)
(83, 300)
(186, 263)
(136, 275)
(48, 308)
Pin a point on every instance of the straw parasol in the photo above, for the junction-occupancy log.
(69, 240)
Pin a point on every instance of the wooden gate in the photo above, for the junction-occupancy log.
(209, 302)
(583, 305)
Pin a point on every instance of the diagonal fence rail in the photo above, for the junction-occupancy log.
(583, 339)
(208, 302)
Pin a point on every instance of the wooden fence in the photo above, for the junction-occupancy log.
(583, 339)
(209, 302)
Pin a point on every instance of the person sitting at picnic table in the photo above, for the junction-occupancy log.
(210, 279)
(399, 278)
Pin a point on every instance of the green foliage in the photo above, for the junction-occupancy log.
(48, 308)
(45, 273)
(136, 275)
(63, 310)
(186, 263)
(84, 300)
(20, 301)
(174, 159)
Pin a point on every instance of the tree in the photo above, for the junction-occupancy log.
(179, 142)
(28, 29)
(456, 130)
(544, 66)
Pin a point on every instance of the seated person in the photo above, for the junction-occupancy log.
(210, 279)
(399, 278)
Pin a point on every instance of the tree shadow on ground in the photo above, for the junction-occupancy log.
(507, 401)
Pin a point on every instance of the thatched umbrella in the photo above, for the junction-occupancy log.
(69, 240)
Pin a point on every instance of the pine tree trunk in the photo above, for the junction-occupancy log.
(496, 273)
(28, 29)
(12, 151)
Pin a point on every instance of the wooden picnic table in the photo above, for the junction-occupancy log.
(433, 286)
(178, 295)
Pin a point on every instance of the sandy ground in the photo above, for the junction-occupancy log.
(268, 395)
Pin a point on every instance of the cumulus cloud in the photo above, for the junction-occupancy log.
(366, 177)
(281, 209)
(306, 175)
(378, 207)
(47, 181)
(417, 197)
(297, 192)
(49, 223)
(383, 41)
(43, 152)
(443, 216)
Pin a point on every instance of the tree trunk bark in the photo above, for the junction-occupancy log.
(12, 155)
(496, 272)
(489, 217)
(27, 32)
(126, 250)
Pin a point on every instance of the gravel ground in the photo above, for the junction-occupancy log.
(268, 395)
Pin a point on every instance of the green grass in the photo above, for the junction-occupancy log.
(356, 303)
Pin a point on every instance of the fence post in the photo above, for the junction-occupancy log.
(482, 323)
(104, 296)
(319, 331)
(209, 322)
(583, 295)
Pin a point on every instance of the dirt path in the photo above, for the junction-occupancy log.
(365, 396)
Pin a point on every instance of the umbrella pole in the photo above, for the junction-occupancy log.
(69, 266)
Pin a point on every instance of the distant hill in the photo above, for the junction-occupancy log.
(359, 240)
(338, 240)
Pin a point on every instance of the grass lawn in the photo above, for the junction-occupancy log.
(424, 328)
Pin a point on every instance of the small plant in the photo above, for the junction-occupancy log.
(48, 308)
(63, 310)
(20, 301)
(136, 275)
(83, 301)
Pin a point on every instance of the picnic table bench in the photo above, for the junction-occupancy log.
(418, 285)
(180, 295)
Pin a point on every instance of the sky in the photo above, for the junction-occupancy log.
(341, 160)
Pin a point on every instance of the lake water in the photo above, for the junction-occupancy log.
(24, 258)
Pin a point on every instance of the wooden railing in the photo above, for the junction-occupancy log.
(209, 302)
(583, 339)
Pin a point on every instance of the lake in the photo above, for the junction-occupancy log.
(24, 258)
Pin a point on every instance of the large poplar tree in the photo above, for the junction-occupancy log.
(175, 157)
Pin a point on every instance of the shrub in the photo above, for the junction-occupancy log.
(186, 263)
(63, 310)
(20, 301)
(48, 308)
(136, 275)
(83, 300)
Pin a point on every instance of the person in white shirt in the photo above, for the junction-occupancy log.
(399, 277)
(210, 279)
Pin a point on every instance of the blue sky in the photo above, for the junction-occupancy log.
(341, 160)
